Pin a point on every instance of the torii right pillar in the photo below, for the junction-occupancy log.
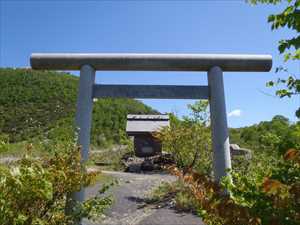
(219, 128)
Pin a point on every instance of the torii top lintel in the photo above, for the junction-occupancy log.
(151, 62)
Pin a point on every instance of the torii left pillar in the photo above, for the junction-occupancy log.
(84, 117)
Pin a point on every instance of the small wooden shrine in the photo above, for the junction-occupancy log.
(141, 128)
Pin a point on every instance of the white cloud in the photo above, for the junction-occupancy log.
(235, 113)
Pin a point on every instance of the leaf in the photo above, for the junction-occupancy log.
(298, 113)
(270, 84)
(283, 45)
(271, 186)
(287, 56)
(255, 221)
(271, 18)
(291, 154)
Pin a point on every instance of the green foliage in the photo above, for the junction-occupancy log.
(199, 112)
(274, 197)
(163, 191)
(189, 139)
(35, 191)
(291, 82)
(178, 192)
(41, 104)
(270, 195)
(289, 87)
(276, 135)
(288, 18)
(4, 139)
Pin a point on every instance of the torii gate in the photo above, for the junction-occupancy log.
(214, 64)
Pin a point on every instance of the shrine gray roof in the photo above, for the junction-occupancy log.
(146, 123)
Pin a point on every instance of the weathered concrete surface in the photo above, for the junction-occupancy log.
(167, 216)
(219, 127)
(150, 91)
(130, 208)
(151, 62)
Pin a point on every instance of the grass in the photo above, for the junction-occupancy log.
(176, 192)
(161, 192)
(104, 178)
(109, 159)
(12, 150)
(18, 149)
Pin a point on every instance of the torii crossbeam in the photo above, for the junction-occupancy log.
(214, 64)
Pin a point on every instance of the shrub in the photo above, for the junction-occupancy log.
(189, 140)
(265, 200)
(4, 139)
(35, 191)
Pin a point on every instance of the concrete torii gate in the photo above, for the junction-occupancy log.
(214, 64)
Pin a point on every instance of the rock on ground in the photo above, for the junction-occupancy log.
(129, 207)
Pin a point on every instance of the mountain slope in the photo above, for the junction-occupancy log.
(39, 103)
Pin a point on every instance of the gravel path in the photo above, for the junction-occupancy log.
(129, 207)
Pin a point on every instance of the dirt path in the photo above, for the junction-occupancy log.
(129, 207)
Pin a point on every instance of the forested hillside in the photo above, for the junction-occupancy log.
(277, 135)
(42, 104)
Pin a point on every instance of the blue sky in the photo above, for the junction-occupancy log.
(155, 27)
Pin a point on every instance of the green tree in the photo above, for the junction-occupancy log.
(199, 112)
(290, 48)
(189, 139)
(276, 135)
